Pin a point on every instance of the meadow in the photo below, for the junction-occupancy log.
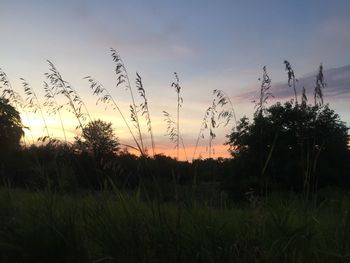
(114, 226)
(282, 197)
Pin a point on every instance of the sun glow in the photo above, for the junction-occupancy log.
(35, 129)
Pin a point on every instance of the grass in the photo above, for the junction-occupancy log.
(163, 221)
(113, 226)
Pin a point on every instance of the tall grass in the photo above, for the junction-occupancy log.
(312, 148)
(123, 78)
(60, 86)
(260, 106)
(265, 94)
(114, 226)
(319, 86)
(15, 98)
(145, 110)
(177, 87)
(53, 107)
(215, 115)
(203, 127)
(33, 103)
(291, 79)
(106, 98)
(56, 86)
(219, 113)
(173, 126)
(303, 97)
(225, 114)
(212, 126)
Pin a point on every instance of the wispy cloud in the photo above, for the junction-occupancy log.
(337, 79)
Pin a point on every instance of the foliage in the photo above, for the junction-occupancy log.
(14, 98)
(98, 138)
(11, 127)
(310, 138)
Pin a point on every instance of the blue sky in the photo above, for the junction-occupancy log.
(211, 44)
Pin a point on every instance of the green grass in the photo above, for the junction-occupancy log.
(112, 226)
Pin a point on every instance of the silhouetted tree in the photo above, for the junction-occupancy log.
(310, 150)
(98, 138)
(11, 128)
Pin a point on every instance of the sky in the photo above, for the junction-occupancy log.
(210, 44)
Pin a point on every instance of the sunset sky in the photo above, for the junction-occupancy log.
(210, 44)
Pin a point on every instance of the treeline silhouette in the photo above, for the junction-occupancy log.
(298, 147)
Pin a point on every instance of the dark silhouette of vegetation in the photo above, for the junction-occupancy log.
(53, 107)
(114, 226)
(145, 110)
(123, 78)
(173, 126)
(11, 127)
(297, 147)
(98, 139)
(319, 86)
(291, 79)
(287, 146)
(90, 201)
(215, 115)
(14, 98)
(33, 103)
(106, 98)
(61, 87)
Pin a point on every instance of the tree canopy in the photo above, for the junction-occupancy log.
(11, 128)
(291, 146)
(98, 138)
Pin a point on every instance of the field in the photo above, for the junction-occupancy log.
(120, 226)
(174, 131)
(282, 196)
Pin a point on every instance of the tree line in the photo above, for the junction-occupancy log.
(292, 146)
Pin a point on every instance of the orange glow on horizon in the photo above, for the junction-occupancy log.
(36, 129)
(218, 150)
(202, 152)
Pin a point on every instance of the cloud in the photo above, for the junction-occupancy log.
(337, 80)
